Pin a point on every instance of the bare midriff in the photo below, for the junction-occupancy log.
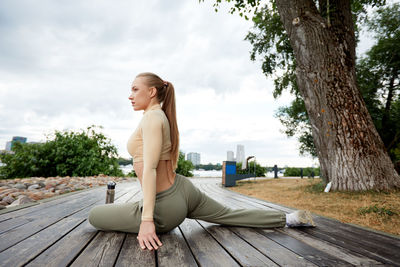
(165, 175)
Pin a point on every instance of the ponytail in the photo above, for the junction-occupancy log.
(169, 109)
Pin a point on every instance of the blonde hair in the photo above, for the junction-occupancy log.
(166, 96)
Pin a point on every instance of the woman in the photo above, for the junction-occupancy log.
(169, 198)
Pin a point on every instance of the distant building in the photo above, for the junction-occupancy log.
(230, 156)
(194, 158)
(8, 146)
(240, 156)
(20, 139)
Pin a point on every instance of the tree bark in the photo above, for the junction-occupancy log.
(350, 151)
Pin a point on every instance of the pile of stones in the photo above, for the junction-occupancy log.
(24, 190)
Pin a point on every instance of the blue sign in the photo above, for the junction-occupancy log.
(230, 169)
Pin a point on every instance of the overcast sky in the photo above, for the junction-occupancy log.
(65, 65)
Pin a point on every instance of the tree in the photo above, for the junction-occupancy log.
(68, 154)
(184, 166)
(378, 80)
(322, 40)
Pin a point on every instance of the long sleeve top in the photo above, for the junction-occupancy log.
(150, 143)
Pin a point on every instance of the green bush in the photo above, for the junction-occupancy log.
(69, 153)
(184, 166)
(306, 172)
(260, 171)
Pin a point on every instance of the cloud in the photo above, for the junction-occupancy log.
(68, 65)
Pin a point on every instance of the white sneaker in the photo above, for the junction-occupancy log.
(299, 218)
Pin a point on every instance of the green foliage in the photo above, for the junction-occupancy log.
(378, 75)
(132, 173)
(382, 211)
(260, 171)
(69, 153)
(123, 161)
(297, 172)
(209, 166)
(316, 188)
(184, 166)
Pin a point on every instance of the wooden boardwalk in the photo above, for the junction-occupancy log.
(57, 233)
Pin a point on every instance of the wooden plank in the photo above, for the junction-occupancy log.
(62, 199)
(271, 249)
(102, 251)
(16, 235)
(310, 253)
(244, 253)
(328, 230)
(45, 205)
(205, 249)
(174, 251)
(373, 238)
(27, 249)
(56, 213)
(13, 223)
(66, 249)
(367, 251)
(132, 255)
(334, 250)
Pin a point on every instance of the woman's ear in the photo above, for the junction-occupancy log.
(152, 91)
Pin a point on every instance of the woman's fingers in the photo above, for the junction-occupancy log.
(141, 243)
(149, 242)
(153, 243)
(158, 240)
(148, 245)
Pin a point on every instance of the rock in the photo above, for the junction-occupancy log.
(8, 191)
(34, 186)
(21, 200)
(48, 194)
(41, 184)
(50, 185)
(8, 199)
(16, 194)
(61, 186)
(20, 186)
(2, 207)
(3, 203)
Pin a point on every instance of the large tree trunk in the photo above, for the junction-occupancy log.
(351, 153)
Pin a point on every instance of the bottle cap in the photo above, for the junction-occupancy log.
(111, 185)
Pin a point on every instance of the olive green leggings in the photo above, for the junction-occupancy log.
(182, 200)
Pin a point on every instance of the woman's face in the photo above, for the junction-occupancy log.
(140, 94)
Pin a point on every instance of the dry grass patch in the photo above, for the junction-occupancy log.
(380, 211)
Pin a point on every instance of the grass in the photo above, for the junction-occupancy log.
(376, 210)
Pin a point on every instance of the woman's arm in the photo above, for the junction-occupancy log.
(152, 146)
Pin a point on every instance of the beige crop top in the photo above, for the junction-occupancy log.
(150, 143)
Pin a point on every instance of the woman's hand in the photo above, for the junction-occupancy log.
(147, 236)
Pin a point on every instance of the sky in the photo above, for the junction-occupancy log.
(66, 65)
